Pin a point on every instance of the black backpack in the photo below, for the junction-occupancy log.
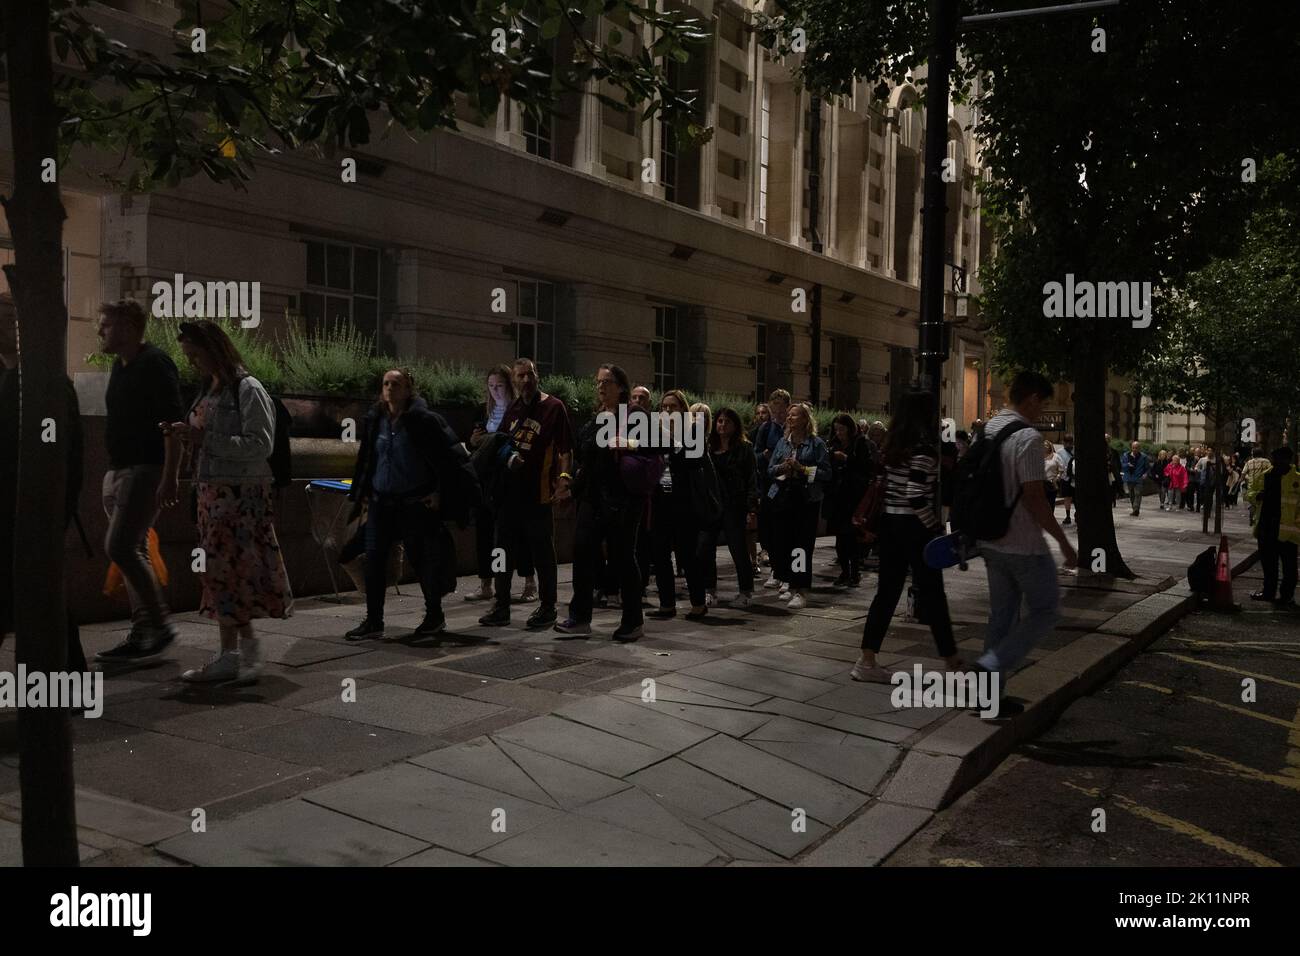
(1200, 573)
(979, 508)
(280, 461)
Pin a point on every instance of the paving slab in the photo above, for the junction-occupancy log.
(432, 807)
(575, 841)
(405, 708)
(849, 723)
(636, 810)
(771, 827)
(293, 833)
(855, 762)
(583, 745)
(427, 677)
(858, 699)
(342, 746)
(871, 837)
(482, 762)
(436, 856)
(922, 780)
(696, 792)
(199, 719)
(126, 821)
(779, 780)
(791, 661)
(535, 699)
(652, 725)
(566, 784)
(724, 693)
(171, 773)
(760, 680)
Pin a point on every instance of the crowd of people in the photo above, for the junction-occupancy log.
(645, 511)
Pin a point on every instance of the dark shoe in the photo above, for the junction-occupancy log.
(843, 581)
(855, 581)
(131, 649)
(541, 619)
(570, 628)
(1286, 605)
(155, 640)
(699, 615)
(663, 613)
(366, 629)
(433, 623)
(497, 617)
(1261, 596)
(1007, 708)
(626, 635)
(1067, 520)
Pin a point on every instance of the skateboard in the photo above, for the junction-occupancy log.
(949, 550)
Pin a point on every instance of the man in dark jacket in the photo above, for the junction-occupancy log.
(414, 474)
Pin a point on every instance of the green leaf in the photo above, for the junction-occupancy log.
(551, 27)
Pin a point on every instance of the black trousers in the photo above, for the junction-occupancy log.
(733, 526)
(765, 522)
(531, 527)
(407, 520)
(901, 543)
(673, 529)
(795, 529)
(618, 528)
(485, 530)
(849, 550)
(1271, 553)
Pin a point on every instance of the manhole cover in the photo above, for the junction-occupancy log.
(511, 664)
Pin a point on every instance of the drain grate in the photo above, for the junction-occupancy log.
(511, 664)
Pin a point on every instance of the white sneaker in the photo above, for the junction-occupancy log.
(796, 601)
(772, 582)
(530, 592)
(875, 675)
(223, 667)
(784, 596)
(250, 661)
(710, 598)
(484, 592)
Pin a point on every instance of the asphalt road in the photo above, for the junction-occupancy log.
(1188, 773)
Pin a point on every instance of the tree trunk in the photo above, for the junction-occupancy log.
(1092, 495)
(35, 214)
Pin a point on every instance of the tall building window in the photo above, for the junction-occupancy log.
(764, 128)
(664, 347)
(760, 362)
(342, 283)
(535, 324)
(668, 160)
(537, 135)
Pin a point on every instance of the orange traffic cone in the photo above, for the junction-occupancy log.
(1221, 597)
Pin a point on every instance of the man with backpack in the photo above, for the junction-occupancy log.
(143, 391)
(1002, 502)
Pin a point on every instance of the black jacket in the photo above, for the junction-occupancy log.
(849, 479)
(737, 476)
(447, 459)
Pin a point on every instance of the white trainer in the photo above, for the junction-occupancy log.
(772, 582)
(223, 667)
(796, 601)
(710, 598)
(530, 591)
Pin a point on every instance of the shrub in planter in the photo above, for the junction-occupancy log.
(452, 385)
(335, 359)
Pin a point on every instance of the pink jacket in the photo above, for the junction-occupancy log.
(1177, 475)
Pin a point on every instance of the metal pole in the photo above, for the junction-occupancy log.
(943, 54)
(814, 231)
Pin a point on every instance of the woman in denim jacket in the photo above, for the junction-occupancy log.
(230, 431)
(801, 472)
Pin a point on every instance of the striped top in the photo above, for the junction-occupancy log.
(910, 486)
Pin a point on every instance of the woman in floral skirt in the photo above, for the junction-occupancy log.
(230, 431)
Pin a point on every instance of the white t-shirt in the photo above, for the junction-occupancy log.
(1022, 461)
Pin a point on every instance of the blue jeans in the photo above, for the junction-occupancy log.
(1014, 578)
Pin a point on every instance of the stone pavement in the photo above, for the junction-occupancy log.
(497, 746)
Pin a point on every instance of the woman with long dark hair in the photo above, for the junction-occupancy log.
(851, 469)
(800, 472)
(500, 396)
(608, 512)
(909, 521)
(733, 460)
(230, 431)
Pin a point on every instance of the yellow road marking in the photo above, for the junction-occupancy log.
(1247, 645)
(1181, 827)
(958, 861)
(1218, 703)
(1234, 670)
(1290, 781)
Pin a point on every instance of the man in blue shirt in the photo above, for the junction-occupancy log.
(1133, 468)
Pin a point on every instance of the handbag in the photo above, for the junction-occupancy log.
(866, 517)
(640, 473)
